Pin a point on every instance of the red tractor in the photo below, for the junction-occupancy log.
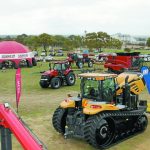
(60, 74)
(79, 59)
(123, 61)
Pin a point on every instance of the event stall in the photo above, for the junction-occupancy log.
(16, 53)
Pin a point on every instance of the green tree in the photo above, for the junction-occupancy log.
(76, 41)
(114, 43)
(32, 42)
(45, 40)
(59, 40)
(127, 50)
(101, 40)
(97, 40)
(21, 38)
(91, 40)
(148, 42)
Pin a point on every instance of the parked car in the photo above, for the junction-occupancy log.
(52, 52)
(43, 54)
(59, 53)
(146, 57)
(38, 59)
(49, 58)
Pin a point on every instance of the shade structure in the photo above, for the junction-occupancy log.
(16, 53)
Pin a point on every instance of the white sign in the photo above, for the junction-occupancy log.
(16, 56)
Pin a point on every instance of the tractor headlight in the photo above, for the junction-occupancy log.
(44, 78)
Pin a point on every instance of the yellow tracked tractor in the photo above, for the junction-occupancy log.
(107, 110)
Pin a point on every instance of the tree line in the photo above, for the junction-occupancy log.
(94, 40)
(148, 42)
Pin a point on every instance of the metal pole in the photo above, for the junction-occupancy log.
(6, 141)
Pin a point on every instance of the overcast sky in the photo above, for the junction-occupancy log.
(74, 16)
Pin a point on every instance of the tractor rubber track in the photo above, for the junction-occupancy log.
(92, 121)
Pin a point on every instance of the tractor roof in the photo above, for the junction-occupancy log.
(59, 62)
(98, 76)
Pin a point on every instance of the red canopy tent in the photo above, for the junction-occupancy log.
(15, 52)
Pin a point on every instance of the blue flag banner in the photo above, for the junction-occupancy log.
(146, 74)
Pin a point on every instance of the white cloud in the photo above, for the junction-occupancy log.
(74, 17)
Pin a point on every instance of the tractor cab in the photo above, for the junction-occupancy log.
(98, 87)
(60, 66)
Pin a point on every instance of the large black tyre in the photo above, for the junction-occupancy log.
(79, 64)
(70, 79)
(90, 64)
(16, 66)
(59, 120)
(29, 63)
(44, 84)
(0, 65)
(34, 63)
(99, 132)
(55, 83)
(142, 122)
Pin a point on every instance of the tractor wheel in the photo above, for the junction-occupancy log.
(80, 65)
(70, 79)
(44, 84)
(34, 62)
(59, 120)
(90, 64)
(142, 122)
(99, 132)
(55, 83)
(0, 65)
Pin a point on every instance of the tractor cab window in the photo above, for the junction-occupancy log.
(64, 67)
(108, 89)
(99, 90)
(57, 67)
(90, 89)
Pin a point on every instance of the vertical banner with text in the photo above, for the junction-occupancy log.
(18, 86)
(146, 74)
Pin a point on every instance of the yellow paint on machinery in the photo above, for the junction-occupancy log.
(95, 108)
(135, 82)
(148, 107)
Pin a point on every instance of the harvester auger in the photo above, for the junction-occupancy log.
(107, 110)
(11, 123)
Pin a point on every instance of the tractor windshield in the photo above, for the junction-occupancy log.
(90, 88)
(99, 90)
(57, 67)
(137, 61)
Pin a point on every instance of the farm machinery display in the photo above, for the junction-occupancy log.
(123, 61)
(107, 110)
(11, 123)
(60, 74)
(79, 59)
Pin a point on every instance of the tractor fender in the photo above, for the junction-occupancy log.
(93, 108)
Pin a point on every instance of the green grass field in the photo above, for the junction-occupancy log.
(37, 106)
